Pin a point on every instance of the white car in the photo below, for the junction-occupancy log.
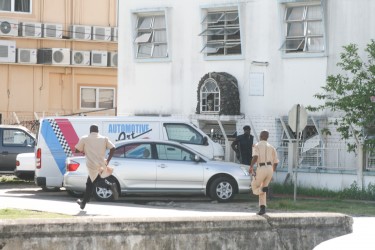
(25, 166)
(162, 167)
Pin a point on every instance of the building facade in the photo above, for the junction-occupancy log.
(227, 63)
(58, 57)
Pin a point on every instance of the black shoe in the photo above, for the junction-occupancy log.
(114, 191)
(262, 210)
(81, 204)
(265, 189)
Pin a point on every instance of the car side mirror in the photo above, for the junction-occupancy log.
(205, 141)
(197, 158)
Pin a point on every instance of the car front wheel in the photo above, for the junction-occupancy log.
(222, 189)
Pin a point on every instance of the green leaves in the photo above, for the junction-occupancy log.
(349, 93)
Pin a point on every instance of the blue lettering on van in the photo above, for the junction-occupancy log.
(128, 131)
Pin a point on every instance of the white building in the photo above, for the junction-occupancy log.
(235, 62)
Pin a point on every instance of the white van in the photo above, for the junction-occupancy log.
(58, 136)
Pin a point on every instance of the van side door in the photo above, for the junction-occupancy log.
(13, 142)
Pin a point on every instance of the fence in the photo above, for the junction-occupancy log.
(332, 157)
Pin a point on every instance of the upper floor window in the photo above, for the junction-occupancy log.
(15, 5)
(151, 36)
(210, 96)
(97, 98)
(221, 33)
(304, 29)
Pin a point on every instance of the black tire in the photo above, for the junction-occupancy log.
(50, 189)
(103, 192)
(75, 194)
(222, 189)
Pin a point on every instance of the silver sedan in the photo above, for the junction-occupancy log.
(161, 167)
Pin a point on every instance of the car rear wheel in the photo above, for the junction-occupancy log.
(103, 190)
(222, 189)
(50, 189)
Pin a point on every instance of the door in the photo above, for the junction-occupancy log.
(177, 170)
(13, 141)
(135, 167)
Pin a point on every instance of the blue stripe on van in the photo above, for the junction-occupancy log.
(54, 146)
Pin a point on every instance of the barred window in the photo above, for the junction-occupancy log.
(304, 29)
(210, 96)
(221, 33)
(151, 36)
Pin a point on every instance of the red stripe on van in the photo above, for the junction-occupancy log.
(69, 133)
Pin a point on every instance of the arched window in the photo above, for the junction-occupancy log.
(210, 96)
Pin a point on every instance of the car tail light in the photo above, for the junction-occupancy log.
(17, 163)
(72, 166)
(39, 158)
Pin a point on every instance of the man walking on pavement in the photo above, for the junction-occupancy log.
(265, 155)
(94, 147)
(242, 145)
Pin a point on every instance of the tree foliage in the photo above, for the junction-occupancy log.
(350, 94)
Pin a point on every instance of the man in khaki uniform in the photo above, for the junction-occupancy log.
(94, 147)
(265, 155)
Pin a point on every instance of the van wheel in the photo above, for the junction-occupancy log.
(75, 194)
(103, 190)
(222, 189)
(50, 189)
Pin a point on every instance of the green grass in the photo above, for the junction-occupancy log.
(12, 179)
(12, 214)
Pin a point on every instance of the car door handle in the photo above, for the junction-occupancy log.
(162, 166)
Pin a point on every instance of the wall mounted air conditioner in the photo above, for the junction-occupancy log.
(79, 57)
(52, 30)
(7, 51)
(30, 29)
(114, 34)
(112, 59)
(56, 56)
(26, 55)
(8, 27)
(100, 33)
(99, 58)
(80, 32)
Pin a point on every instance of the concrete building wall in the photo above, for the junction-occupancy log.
(50, 89)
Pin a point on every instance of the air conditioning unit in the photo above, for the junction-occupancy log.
(52, 30)
(80, 58)
(8, 27)
(100, 33)
(80, 32)
(114, 34)
(7, 51)
(26, 55)
(112, 59)
(99, 58)
(54, 56)
(30, 29)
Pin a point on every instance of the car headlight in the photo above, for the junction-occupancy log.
(245, 170)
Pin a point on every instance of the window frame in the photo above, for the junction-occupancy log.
(13, 5)
(97, 97)
(151, 35)
(227, 43)
(210, 80)
(301, 40)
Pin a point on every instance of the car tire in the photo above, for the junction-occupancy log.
(75, 194)
(222, 189)
(103, 191)
(50, 189)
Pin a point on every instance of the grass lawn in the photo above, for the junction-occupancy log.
(12, 214)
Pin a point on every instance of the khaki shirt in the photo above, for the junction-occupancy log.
(94, 147)
(265, 152)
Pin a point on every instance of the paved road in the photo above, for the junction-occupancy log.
(30, 197)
